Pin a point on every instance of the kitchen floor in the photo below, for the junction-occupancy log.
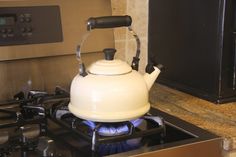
(218, 119)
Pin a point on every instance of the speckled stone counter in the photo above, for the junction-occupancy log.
(218, 119)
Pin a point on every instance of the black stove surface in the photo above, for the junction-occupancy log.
(42, 126)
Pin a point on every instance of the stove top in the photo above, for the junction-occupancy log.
(39, 124)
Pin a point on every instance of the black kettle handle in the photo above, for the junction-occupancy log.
(109, 22)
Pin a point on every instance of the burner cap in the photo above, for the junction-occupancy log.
(113, 129)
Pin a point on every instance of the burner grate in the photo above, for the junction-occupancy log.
(39, 109)
(83, 130)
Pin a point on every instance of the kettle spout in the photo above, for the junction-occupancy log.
(151, 74)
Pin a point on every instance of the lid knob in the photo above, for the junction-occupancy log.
(109, 53)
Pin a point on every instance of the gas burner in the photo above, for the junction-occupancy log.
(111, 135)
(113, 129)
(35, 97)
(23, 138)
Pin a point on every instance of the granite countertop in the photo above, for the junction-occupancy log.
(218, 119)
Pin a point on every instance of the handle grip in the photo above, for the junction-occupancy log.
(109, 22)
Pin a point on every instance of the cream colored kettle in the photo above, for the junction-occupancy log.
(110, 90)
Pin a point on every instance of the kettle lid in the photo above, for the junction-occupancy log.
(109, 66)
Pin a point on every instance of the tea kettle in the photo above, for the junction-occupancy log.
(111, 90)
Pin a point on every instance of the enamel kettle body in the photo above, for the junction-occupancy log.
(110, 90)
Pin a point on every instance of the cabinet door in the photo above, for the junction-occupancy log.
(228, 68)
(186, 37)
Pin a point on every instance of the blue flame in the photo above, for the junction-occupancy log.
(118, 147)
(113, 129)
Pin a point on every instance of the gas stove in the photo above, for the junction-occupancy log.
(39, 124)
(38, 53)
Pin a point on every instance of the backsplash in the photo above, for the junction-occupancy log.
(124, 42)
